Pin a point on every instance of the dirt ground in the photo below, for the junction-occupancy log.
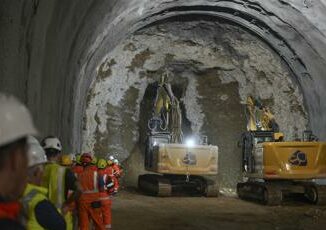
(132, 210)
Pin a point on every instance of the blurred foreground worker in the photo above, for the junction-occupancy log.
(15, 125)
(41, 213)
(106, 175)
(59, 180)
(89, 205)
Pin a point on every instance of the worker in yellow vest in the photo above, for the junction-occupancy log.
(59, 180)
(40, 212)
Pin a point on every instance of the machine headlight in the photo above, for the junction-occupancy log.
(190, 142)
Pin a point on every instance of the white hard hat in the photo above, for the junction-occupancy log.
(15, 120)
(52, 143)
(36, 154)
(115, 161)
(111, 158)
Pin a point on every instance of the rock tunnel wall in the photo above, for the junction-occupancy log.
(49, 50)
(213, 67)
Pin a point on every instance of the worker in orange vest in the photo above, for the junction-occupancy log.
(89, 205)
(106, 175)
(117, 173)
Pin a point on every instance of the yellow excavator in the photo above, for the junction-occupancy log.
(274, 168)
(176, 166)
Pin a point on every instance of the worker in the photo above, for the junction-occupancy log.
(58, 179)
(15, 125)
(66, 161)
(106, 174)
(89, 205)
(41, 213)
(115, 179)
(117, 172)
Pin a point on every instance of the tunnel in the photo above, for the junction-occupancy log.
(85, 70)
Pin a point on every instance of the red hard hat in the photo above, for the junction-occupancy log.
(86, 158)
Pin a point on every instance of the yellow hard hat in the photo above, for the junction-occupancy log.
(66, 160)
(78, 156)
(101, 164)
(94, 160)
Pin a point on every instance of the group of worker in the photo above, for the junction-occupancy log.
(41, 188)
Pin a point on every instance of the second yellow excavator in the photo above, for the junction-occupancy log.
(274, 168)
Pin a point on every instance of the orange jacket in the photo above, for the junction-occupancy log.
(107, 177)
(88, 182)
(77, 169)
(117, 171)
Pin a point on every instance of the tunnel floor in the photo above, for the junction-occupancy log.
(132, 210)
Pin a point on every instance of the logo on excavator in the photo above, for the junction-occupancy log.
(298, 158)
(190, 159)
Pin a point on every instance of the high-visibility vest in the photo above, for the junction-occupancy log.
(88, 180)
(32, 196)
(54, 181)
(77, 169)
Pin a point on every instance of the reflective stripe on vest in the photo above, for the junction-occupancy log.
(104, 179)
(105, 198)
(61, 187)
(27, 199)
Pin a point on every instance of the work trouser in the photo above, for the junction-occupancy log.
(87, 212)
(106, 203)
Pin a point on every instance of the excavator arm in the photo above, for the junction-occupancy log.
(260, 117)
(166, 116)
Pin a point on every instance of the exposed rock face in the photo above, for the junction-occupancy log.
(214, 66)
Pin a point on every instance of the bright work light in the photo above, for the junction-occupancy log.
(190, 142)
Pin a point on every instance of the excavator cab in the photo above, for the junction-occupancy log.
(152, 144)
(249, 141)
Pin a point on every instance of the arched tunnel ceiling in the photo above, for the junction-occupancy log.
(50, 49)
